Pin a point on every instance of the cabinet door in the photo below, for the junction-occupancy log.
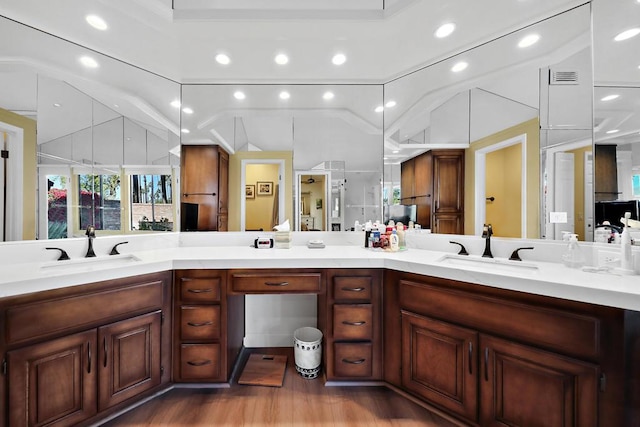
(439, 363)
(423, 177)
(448, 181)
(223, 183)
(199, 176)
(525, 386)
(448, 224)
(407, 181)
(129, 358)
(53, 383)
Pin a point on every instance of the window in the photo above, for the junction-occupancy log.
(635, 184)
(151, 202)
(57, 207)
(99, 201)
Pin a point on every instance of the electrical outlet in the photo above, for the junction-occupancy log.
(608, 258)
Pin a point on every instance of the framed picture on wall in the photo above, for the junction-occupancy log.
(265, 188)
(250, 191)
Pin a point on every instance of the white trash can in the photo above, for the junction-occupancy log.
(307, 351)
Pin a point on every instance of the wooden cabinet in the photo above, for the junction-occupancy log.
(208, 328)
(434, 182)
(351, 318)
(275, 281)
(492, 357)
(204, 172)
(83, 353)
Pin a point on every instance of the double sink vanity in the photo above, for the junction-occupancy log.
(490, 342)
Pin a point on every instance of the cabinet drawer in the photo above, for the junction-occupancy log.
(199, 361)
(352, 288)
(352, 360)
(199, 289)
(277, 282)
(352, 322)
(199, 322)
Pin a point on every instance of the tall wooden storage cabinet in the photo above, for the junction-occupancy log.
(434, 182)
(204, 172)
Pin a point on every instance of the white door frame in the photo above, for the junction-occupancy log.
(14, 184)
(281, 189)
(480, 184)
(43, 193)
(327, 194)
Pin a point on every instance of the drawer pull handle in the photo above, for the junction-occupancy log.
(276, 283)
(346, 322)
(486, 364)
(359, 289)
(354, 362)
(201, 363)
(200, 324)
(89, 357)
(200, 291)
(470, 358)
(104, 344)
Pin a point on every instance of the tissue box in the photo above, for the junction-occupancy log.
(282, 239)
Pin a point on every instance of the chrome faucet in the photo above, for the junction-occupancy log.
(487, 231)
(91, 234)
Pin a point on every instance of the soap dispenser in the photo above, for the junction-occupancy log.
(626, 257)
(573, 256)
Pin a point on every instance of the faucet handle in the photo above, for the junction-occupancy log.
(91, 231)
(515, 256)
(63, 254)
(487, 230)
(114, 250)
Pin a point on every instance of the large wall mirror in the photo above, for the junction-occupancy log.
(310, 154)
(508, 104)
(104, 150)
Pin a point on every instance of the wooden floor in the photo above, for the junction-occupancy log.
(299, 402)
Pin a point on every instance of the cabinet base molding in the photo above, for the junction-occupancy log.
(334, 383)
(134, 405)
(427, 406)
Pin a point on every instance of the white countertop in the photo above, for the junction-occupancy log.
(548, 278)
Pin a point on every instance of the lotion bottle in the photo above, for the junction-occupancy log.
(393, 241)
(626, 257)
(573, 257)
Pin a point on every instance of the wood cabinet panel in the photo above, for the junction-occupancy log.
(353, 360)
(261, 282)
(54, 383)
(423, 177)
(352, 288)
(82, 311)
(130, 359)
(448, 181)
(526, 386)
(199, 361)
(223, 183)
(199, 289)
(447, 223)
(440, 363)
(352, 322)
(561, 331)
(199, 323)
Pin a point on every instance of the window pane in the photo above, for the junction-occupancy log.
(100, 201)
(636, 185)
(151, 203)
(57, 207)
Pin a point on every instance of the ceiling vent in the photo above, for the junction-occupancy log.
(563, 77)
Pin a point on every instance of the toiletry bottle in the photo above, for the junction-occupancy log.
(402, 240)
(626, 258)
(393, 241)
(573, 256)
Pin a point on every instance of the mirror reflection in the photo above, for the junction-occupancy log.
(487, 105)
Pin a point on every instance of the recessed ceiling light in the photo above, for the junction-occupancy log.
(390, 104)
(239, 95)
(175, 103)
(284, 95)
(96, 22)
(610, 97)
(57, 105)
(613, 131)
(339, 59)
(627, 34)
(116, 106)
(379, 109)
(328, 95)
(529, 40)
(89, 62)
(184, 130)
(223, 59)
(395, 151)
(445, 30)
(187, 110)
(281, 59)
(459, 67)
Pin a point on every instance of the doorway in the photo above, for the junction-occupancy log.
(11, 182)
(500, 177)
(312, 195)
(262, 204)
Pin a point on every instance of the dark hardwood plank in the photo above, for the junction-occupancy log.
(298, 402)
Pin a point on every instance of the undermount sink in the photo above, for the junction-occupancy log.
(488, 264)
(89, 264)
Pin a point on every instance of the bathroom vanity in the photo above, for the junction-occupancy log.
(495, 347)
